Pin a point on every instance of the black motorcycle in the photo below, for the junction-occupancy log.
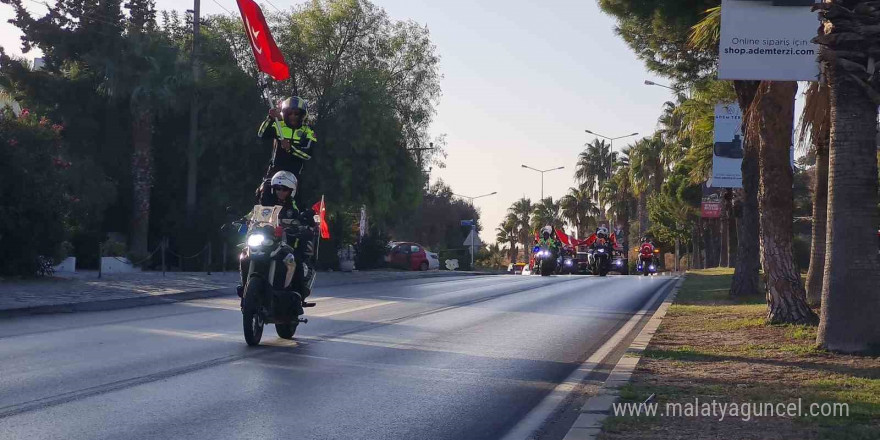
(267, 297)
(600, 259)
(545, 260)
(566, 263)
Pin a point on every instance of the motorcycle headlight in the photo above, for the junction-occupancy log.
(256, 240)
(602, 251)
(568, 262)
(651, 267)
(619, 263)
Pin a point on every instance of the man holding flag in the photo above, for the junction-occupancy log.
(294, 141)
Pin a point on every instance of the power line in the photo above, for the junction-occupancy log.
(276, 7)
(221, 6)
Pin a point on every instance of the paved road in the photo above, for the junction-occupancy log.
(444, 358)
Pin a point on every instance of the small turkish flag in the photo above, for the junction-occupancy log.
(266, 52)
(321, 210)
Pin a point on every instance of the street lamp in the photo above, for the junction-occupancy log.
(652, 83)
(609, 138)
(477, 197)
(542, 176)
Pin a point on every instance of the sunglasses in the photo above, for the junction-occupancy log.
(281, 188)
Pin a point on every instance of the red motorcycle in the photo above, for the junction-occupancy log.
(647, 259)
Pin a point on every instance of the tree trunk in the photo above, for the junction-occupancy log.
(820, 214)
(142, 181)
(850, 299)
(643, 213)
(748, 260)
(786, 297)
(725, 236)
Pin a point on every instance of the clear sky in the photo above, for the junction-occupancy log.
(521, 82)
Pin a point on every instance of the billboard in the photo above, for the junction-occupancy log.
(711, 205)
(768, 40)
(727, 151)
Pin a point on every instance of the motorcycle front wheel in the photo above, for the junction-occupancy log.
(252, 322)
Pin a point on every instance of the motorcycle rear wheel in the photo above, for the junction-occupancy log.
(286, 331)
(252, 322)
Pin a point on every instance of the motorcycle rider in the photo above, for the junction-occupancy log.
(601, 232)
(646, 250)
(548, 239)
(283, 189)
(292, 148)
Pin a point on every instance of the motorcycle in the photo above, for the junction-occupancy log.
(565, 263)
(600, 257)
(647, 260)
(267, 297)
(545, 261)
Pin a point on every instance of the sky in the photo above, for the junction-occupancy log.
(521, 82)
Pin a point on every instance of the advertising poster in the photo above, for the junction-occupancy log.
(711, 205)
(768, 40)
(727, 152)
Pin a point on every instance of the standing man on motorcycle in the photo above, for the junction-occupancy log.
(294, 142)
(547, 239)
(601, 232)
(282, 189)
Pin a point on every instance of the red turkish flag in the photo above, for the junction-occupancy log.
(266, 52)
(563, 237)
(321, 210)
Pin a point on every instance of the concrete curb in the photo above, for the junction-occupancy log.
(596, 409)
(116, 304)
(171, 298)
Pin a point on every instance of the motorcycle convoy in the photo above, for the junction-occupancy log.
(602, 255)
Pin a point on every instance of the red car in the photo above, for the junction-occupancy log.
(407, 255)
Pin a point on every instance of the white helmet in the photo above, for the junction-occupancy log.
(602, 231)
(285, 179)
(547, 230)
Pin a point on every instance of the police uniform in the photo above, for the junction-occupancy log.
(302, 144)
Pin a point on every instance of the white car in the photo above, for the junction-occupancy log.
(433, 261)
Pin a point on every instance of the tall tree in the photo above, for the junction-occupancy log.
(522, 210)
(594, 167)
(647, 174)
(547, 212)
(577, 209)
(774, 119)
(506, 233)
(618, 192)
(815, 129)
(850, 303)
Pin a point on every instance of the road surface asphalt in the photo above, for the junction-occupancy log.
(442, 358)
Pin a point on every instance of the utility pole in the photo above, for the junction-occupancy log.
(192, 154)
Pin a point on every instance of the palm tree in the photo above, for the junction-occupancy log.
(816, 121)
(546, 213)
(522, 211)
(850, 303)
(506, 233)
(618, 192)
(594, 166)
(647, 172)
(578, 209)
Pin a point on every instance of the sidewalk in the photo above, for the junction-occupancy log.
(83, 291)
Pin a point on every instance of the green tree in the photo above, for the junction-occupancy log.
(850, 303)
(618, 191)
(522, 210)
(579, 210)
(547, 212)
(506, 233)
(647, 173)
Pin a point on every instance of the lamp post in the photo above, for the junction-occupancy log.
(652, 83)
(542, 176)
(473, 223)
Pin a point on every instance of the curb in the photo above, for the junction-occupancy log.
(597, 408)
(171, 298)
(116, 304)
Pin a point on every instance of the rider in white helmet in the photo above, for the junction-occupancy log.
(283, 187)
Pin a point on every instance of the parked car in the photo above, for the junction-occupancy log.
(409, 256)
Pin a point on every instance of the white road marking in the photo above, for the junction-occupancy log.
(352, 309)
(533, 421)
